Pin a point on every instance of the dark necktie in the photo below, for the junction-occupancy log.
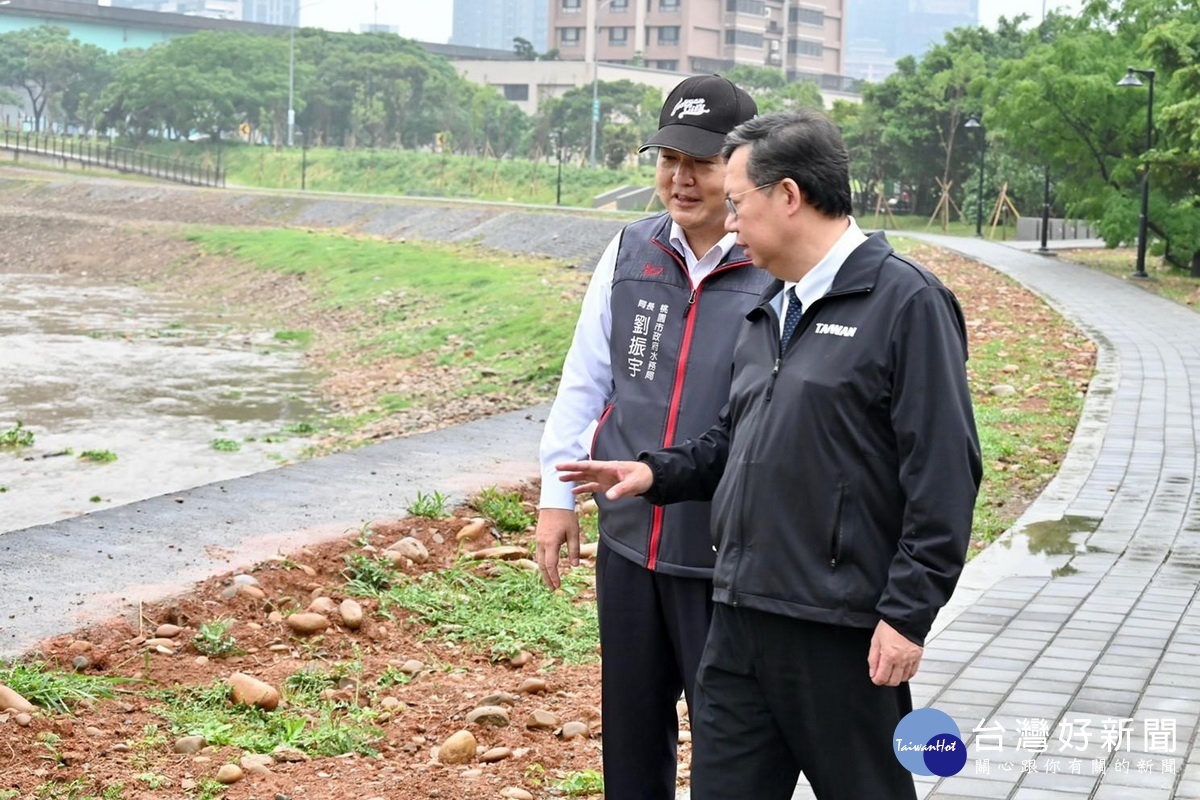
(791, 319)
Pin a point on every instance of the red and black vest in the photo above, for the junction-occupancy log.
(672, 351)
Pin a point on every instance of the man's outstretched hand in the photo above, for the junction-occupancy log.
(616, 479)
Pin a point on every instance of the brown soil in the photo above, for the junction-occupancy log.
(103, 744)
(99, 746)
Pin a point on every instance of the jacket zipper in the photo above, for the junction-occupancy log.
(835, 544)
(685, 348)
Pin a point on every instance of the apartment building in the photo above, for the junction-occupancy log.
(803, 38)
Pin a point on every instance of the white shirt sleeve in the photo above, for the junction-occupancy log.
(585, 387)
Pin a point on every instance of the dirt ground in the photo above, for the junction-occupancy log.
(106, 744)
(102, 746)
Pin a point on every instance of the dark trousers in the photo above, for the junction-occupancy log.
(777, 696)
(652, 633)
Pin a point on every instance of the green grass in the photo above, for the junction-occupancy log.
(581, 784)
(312, 726)
(225, 445)
(500, 321)
(505, 509)
(55, 690)
(214, 639)
(503, 614)
(98, 456)
(430, 506)
(920, 224)
(16, 436)
(1170, 282)
(406, 172)
(368, 576)
(302, 338)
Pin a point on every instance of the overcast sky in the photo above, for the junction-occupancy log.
(425, 20)
(431, 20)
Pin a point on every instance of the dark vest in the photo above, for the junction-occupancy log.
(671, 351)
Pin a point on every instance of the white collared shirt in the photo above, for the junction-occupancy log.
(817, 281)
(587, 379)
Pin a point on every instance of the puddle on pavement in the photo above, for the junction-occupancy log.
(1056, 537)
(1048, 545)
(1040, 549)
(87, 366)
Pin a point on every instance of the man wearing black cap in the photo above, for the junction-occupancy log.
(649, 368)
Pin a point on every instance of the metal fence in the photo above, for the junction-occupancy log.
(123, 159)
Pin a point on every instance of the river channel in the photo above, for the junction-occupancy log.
(181, 397)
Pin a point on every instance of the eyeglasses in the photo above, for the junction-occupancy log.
(731, 206)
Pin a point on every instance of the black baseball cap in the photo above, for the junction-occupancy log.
(697, 115)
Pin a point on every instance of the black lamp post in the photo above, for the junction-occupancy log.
(1131, 79)
(1044, 250)
(973, 122)
(558, 140)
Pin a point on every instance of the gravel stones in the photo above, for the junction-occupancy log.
(250, 691)
(307, 623)
(459, 748)
(11, 700)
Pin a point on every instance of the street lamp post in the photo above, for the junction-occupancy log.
(973, 122)
(592, 9)
(1131, 79)
(558, 140)
(291, 114)
(1044, 250)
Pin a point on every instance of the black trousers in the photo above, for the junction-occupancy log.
(652, 633)
(777, 696)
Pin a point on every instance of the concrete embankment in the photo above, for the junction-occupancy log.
(572, 234)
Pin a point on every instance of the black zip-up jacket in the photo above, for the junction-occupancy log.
(671, 346)
(843, 472)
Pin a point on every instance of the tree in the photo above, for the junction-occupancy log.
(622, 104)
(1060, 105)
(772, 91)
(45, 63)
(525, 52)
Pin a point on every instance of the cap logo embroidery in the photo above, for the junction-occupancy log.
(692, 107)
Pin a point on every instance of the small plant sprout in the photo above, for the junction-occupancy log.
(368, 576)
(16, 436)
(430, 506)
(505, 509)
(98, 456)
(582, 784)
(214, 639)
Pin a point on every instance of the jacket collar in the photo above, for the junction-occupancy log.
(662, 235)
(858, 273)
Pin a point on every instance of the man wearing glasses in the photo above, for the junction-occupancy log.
(648, 368)
(843, 479)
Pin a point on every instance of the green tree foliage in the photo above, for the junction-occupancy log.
(771, 89)
(909, 129)
(1059, 104)
(58, 74)
(209, 82)
(631, 107)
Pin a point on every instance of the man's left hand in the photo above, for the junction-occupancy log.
(893, 658)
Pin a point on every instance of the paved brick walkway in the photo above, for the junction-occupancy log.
(1087, 613)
